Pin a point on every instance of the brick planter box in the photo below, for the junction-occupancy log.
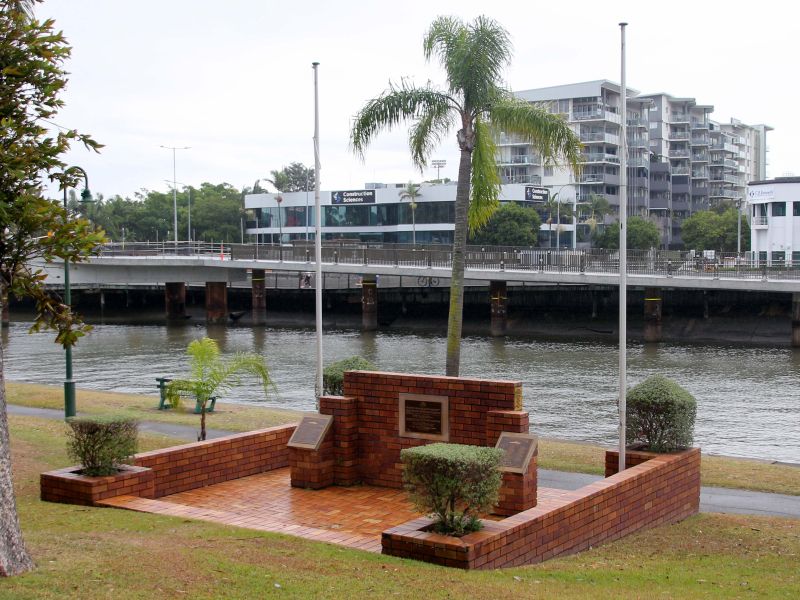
(69, 486)
(663, 489)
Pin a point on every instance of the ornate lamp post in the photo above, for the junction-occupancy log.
(69, 383)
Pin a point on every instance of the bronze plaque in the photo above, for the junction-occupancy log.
(518, 449)
(424, 417)
(310, 432)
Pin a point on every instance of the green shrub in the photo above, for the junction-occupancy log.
(455, 483)
(333, 375)
(661, 414)
(101, 444)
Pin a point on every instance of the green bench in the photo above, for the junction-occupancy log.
(164, 402)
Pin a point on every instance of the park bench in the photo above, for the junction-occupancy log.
(165, 403)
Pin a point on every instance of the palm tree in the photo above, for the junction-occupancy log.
(210, 374)
(598, 209)
(411, 192)
(473, 56)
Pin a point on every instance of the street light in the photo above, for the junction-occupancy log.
(174, 188)
(738, 227)
(188, 206)
(278, 200)
(438, 163)
(69, 384)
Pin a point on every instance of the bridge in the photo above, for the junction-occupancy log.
(219, 265)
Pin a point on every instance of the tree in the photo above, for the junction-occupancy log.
(598, 207)
(210, 374)
(511, 225)
(294, 178)
(32, 228)
(642, 235)
(411, 192)
(713, 230)
(473, 56)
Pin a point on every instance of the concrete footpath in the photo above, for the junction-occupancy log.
(712, 499)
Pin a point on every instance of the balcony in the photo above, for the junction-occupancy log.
(700, 141)
(679, 153)
(638, 143)
(697, 124)
(699, 157)
(759, 222)
(520, 159)
(679, 135)
(725, 147)
(529, 179)
(699, 174)
(600, 137)
(639, 162)
(679, 118)
(594, 157)
(640, 123)
(596, 114)
(591, 178)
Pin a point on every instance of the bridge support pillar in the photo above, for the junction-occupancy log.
(796, 320)
(216, 302)
(259, 296)
(498, 299)
(175, 299)
(652, 315)
(369, 303)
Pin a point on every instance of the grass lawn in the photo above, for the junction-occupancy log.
(553, 454)
(85, 552)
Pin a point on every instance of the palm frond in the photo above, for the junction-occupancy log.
(398, 104)
(548, 133)
(435, 121)
(485, 186)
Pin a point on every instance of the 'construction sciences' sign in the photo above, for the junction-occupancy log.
(353, 197)
(536, 194)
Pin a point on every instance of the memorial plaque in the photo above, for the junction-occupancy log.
(310, 432)
(518, 449)
(424, 417)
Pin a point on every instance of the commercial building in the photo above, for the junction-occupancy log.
(774, 209)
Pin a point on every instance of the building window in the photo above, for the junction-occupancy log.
(779, 209)
(548, 171)
(795, 259)
(778, 257)
(796, 209)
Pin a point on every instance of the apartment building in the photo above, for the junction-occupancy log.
(679, 160)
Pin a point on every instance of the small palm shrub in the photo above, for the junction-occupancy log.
(453, 482)
(333, 375)
(660, 414)
(101, 444)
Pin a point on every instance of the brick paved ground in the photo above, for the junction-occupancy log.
(348, 516)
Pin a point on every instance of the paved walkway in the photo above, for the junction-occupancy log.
(712, 499)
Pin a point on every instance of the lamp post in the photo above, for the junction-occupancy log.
(174, 188)
(188, 206)
(438, 163)
(738, 227)
(278, 200)
(69, 383)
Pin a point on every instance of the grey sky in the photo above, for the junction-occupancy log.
(233, 79)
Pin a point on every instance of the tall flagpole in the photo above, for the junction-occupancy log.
(317, 237)
(623, 260)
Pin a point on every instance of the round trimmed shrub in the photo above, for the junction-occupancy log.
(455, 483)
(101, 444)
(660, 414)
(333, 374)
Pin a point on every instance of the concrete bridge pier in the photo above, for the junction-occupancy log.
(652, 315)
(175, 299)
(795, 320)
(259, 297)
(498, 299)
(216, 302)
(369, 303)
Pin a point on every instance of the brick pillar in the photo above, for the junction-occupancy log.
(369, 303)
(498, 299)
(518, 490)
(652, 315)
(216, 302)
(498, 421)
(313, 469)
(175, 299)
(345, 436)
(259, 296)
(795, 320)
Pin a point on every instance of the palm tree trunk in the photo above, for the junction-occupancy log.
(14, 557)
(455, 316)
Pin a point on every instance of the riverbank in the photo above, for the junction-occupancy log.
(560, 455)
(83, 552)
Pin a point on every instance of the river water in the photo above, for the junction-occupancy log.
(748, 398)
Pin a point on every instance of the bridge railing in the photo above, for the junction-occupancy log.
(713, 265)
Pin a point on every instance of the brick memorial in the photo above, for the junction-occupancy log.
(519, 468)
(424, 417)
(311, 453)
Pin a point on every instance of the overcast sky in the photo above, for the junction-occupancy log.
(232, 79)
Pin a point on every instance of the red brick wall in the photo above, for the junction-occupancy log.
(632, 458)
(379, 442)
(199, 464)
(68, 486)
(664, 489)
(345, 437)
(313, 469)
(518, 490)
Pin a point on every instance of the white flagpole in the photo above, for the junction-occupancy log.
(317, 237)
(623, 260)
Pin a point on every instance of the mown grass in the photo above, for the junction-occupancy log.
(553, 454)
(104, 553)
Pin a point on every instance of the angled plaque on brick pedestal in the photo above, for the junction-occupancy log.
(310, 432)
(518, 449)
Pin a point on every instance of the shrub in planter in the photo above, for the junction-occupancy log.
(660, 414)
(333, 375)
(101, 444)
(454, 482)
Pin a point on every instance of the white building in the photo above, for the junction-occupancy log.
(774, 209)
